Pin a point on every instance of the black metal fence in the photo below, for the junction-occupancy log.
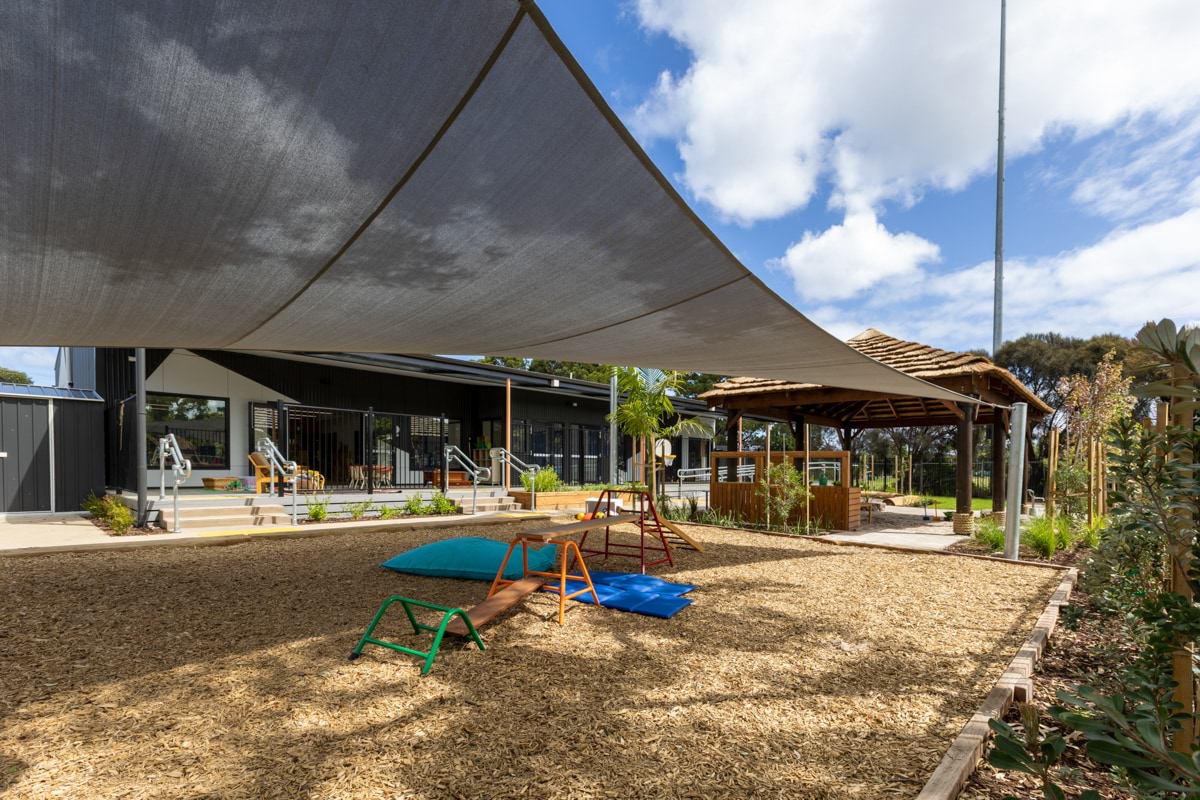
(355, 449)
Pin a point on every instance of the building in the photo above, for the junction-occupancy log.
(338, 412)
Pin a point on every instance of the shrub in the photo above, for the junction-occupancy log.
(318, 508)
(989, 534)
(545, 480)
(387, 512)
(359, 510)
(119, 517)
(440, 504)
(111, 511)
(96, 506)
(1040, 535)
(782, 490)
(415, 506)
(1089, 535)
(1064, 536)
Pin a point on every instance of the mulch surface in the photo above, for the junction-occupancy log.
(802, 670)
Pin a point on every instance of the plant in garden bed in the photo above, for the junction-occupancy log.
(388, 512)
(440, 504)
(318, 508)
(109, 509)
(359, 510)
(1143, 578)
(544, 480)
(989, 534)
(415, 506)
(782, 489)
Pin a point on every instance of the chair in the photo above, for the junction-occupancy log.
(262, 474)
(358, 476)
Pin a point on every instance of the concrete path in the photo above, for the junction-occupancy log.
(31, 536)
(905, 538)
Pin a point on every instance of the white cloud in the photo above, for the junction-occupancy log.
(886, 99)
(1133, 275)
(842, 261)
(37, 362)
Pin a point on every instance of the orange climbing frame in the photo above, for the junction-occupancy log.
(556, 581)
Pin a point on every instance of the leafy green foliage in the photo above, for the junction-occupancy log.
(388, 512)
(782, 490)
(545, 480)
(1031, 752)
(111, 511)
(359, 510)
(1046, 536)
(989, 534)
(646, 411)
(440, 504)
(415, 506)
(318, 507)
(14, 376)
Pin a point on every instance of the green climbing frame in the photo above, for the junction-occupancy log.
(438, 631)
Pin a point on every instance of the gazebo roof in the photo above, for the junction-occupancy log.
(965, 373)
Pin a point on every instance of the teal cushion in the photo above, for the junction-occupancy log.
(468, 557)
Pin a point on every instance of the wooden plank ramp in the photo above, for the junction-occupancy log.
(677, 533)
(497, 604)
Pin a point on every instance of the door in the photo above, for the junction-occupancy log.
(24, 455)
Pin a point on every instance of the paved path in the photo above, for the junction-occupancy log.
(905, 538)
(77, 533)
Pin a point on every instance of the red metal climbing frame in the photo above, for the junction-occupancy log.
(645, 516)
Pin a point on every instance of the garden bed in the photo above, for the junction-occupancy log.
(801, 670)
(555, 501)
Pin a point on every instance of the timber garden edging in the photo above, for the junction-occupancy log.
(1014, 685)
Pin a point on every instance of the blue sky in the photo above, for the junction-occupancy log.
(846, 153)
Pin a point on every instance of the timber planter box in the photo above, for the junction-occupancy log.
(554, 501)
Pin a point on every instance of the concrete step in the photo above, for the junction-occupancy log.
(244, 521)
(188, 515)
(490, 504)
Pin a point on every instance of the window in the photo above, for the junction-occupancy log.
(200, 425)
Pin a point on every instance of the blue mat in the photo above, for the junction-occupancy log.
(637, 594)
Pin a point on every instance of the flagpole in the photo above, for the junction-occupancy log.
(998, 311)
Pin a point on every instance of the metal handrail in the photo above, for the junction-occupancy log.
(509, 460)
(474, 470)
(287, 469)
(181, 470)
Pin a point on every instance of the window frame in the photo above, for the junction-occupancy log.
(228, 465)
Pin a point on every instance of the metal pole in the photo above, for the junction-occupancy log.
(162, 469)
(370, 449)
(507, 433)
(140, 381)
(445, 461)
(998, 311)
(177, 529)
(1016, 471)
(612, 430)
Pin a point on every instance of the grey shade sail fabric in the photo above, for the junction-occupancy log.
(358, 176)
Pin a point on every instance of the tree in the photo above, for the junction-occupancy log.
(579, 370)
(505, 361)
(14, 376)
(646, 411)
(694, 384)
(1039, 360)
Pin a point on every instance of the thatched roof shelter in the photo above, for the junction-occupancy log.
(852, 410)
(966, 373)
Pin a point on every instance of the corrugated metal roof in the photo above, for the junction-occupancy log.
(48, 392)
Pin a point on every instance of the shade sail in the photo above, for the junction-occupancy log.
(358, 176)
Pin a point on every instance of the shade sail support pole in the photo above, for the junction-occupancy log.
(139, 368)
(1016, 474)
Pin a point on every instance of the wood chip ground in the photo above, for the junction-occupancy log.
(802, 670)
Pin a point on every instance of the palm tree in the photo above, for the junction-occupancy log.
(647, 411)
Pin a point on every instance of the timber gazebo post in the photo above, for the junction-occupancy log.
(999, 472)
(964, 517)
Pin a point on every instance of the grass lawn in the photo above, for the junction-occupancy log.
(802, 670)
(977, 503)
